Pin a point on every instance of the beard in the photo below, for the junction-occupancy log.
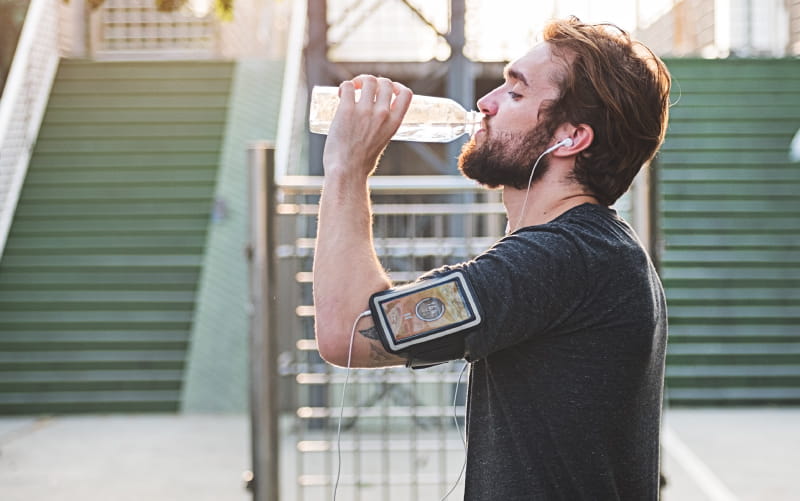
(506, 161)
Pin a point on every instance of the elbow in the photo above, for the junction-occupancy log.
(332, 350)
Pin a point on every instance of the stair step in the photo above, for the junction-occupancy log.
(110, 297)
(65, 101)
(139, 159)
(180, 70)
(121, 177)
(100, 261)
(89, 376)
(48, 337)
(732, 396)
(91, 132)
(93, 279)
(190, 192)
(71, 381)
(124, 145)
(143, 116)
(73, 397)
(754, 371)
(69, 356)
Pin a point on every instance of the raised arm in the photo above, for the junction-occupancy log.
(346, 268)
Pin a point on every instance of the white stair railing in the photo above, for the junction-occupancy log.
(23, 102)
(292, 115)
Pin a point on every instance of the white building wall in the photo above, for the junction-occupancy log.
(721, 28)
(793, 7)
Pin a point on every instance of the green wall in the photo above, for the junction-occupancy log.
(217, 376)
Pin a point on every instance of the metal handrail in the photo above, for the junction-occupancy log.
(24, 100)
(286, 144)
(386, 184)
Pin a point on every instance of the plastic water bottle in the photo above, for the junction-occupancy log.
(429, 119)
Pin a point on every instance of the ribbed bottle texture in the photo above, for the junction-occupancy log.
(429, 119)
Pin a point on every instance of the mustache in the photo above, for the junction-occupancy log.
(503, 136)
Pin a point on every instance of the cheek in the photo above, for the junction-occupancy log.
(523, 118)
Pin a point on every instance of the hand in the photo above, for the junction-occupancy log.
(361, 130)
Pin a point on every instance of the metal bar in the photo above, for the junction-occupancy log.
(316, 53)
(355, 24)
(413, 8)
(460, 78)
(479, 209)
(385, 184)
(263, 342)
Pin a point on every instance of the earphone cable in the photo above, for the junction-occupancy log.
(460, 435)
(341, 406)
(563, 142)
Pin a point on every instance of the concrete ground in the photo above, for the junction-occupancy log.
(709, 455)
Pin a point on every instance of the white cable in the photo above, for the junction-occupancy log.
(460, 435)
(341, 406)
(565, 142)
(341, 415)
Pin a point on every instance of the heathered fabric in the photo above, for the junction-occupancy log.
(567, 368)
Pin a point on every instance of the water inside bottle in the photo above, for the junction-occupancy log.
(429, 119)
(428, 132)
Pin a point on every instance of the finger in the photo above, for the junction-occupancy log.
(385, 93)
(347, 96)
(368, 85)
(347, 91)
(402, 99)
(360, 79)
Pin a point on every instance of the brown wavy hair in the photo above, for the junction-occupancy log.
(617, 86)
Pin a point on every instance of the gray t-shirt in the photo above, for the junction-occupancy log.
(568, 365)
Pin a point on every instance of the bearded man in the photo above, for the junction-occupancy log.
(566, 332)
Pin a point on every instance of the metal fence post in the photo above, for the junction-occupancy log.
(264, 411)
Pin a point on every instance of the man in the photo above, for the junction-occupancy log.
(567, 364)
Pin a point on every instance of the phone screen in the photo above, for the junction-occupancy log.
(425, 310)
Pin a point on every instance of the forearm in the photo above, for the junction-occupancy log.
(346, 273)
(346, 269)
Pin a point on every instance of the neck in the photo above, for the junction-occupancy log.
(542, 204)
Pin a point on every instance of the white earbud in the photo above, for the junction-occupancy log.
(564, 142)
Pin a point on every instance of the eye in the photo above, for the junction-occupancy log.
(514, 96)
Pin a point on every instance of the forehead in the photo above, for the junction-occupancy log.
(537, 68)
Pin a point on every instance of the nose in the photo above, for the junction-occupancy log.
(487, 104)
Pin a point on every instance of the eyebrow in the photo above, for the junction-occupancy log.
(515, 74)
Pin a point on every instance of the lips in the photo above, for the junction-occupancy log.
(484, 127)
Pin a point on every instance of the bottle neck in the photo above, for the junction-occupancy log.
(472, 122)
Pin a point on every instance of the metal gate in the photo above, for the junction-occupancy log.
(396, 433)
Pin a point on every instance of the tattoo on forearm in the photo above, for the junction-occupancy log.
(370, 333)
(378, 351)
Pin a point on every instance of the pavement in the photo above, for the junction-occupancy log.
(709, 455)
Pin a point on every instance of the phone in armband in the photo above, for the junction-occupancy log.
(409, 316)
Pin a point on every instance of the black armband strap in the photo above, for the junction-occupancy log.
(436, 352)
(426, 321)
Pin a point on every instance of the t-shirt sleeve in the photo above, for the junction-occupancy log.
(527, 285)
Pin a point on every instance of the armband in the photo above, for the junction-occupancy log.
(426, 321)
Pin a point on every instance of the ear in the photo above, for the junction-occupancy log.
(582, 136)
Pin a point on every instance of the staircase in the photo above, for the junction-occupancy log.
(730, 215)
(101, 267)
